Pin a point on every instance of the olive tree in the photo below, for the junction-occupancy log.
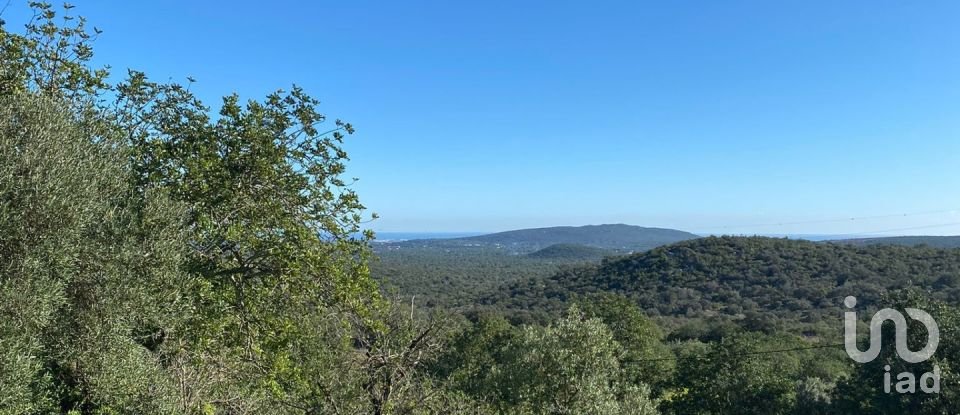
(90, 271)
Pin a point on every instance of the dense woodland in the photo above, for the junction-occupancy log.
(571, 252)
(455, 277)
(765, 281)
(162, 256)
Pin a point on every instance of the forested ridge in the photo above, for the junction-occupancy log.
(162, 255)
(781, 279)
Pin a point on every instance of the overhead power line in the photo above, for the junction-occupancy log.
(837, 220)
(915, 227)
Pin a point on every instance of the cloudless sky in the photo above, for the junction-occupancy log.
(704, 116)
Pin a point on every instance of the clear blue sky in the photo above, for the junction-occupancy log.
(494, 115)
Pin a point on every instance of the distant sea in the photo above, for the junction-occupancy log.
(406, 236)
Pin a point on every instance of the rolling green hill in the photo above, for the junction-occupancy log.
(769, 280)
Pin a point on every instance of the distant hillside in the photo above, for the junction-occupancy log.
(623, 238)
(932, 241)
(456, 271)
(743, 277)
(571, 252)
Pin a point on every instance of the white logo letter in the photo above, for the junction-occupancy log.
(900, 324)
